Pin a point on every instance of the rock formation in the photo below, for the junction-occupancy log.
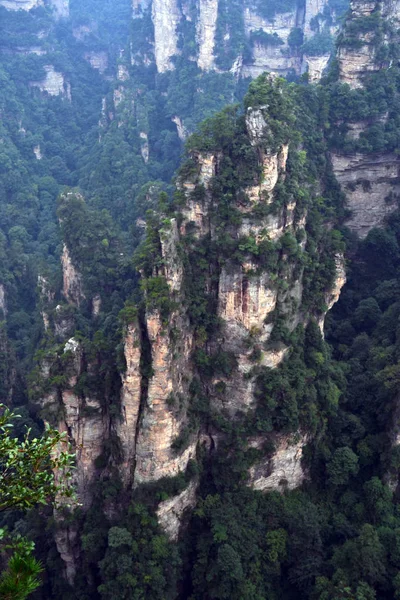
(370, 181)
(54, 83)
(206, 29)
(283, 470)
(166, 17)
(371, 185)
(264, 56)
(72, 279)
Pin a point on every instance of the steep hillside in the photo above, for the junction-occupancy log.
(228, 443)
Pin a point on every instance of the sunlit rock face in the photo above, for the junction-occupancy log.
(166, 17)
(206, 30)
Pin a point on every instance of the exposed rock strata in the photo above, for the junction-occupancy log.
(371, 185)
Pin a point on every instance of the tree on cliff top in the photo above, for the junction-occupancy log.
(27, 479)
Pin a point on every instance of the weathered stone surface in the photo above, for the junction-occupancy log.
(333, 294)
(166, 16)
(358, 60)
(126, 428)
(206, 29)
(67, 542)
(171, 512)
(159, 424)
(73, 284)
(37, 152)
(371, 185)
(282, 471)
(312, 9)
(54, 83)
(315, 66)
(197, 211)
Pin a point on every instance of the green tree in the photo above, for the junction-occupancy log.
(27, 479)
(342, 465)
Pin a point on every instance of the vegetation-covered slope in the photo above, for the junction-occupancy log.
(233, 277)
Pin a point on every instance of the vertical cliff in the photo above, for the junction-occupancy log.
(367, 166)
(166, 17)
(267, 39)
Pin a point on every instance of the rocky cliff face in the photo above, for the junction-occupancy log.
(269, 49)
(356, 59)
(54, 83)
(166, 17)
(157, 431)
(370, 181)
(371, 185)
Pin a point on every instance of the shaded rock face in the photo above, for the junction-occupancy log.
(171, 511)
(371, 185)
(98, 60)
(126, 429)
(3, 303)
(333, 294)
(164, 409)
(83, 419)
(315, 66)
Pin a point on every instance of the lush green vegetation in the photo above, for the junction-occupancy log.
(336, 538)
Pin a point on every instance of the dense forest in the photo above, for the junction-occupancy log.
(133, 202)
